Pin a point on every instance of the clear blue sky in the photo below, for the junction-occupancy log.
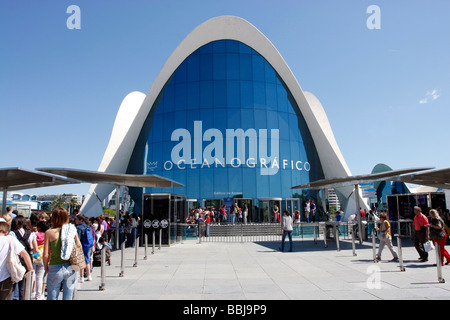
(385, 91)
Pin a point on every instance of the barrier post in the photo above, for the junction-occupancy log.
(400, 253)
(336, 237)
(353, 240)
(145, 246)
(153, 242)
(136, 245)
(122, 254)
(374, 246)
(28, 286)
(160, 238)
(325, 235)
(103, 262)
(439, 263)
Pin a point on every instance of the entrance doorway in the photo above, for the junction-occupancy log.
(212, 203)
(291, 205)
(249, 203)
(266, 210)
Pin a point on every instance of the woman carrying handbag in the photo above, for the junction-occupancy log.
(58, 245)
(438, 235)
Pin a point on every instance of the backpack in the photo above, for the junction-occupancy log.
(24, 241)
(87, 238)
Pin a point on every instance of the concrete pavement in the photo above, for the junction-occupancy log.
(258, 271)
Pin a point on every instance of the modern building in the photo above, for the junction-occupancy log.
(227, 118)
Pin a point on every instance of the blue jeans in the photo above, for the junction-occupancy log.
(61, 274)
(289, 234)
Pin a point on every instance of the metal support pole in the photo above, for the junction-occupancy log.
(153, 242)
(28, 285)
(439, 263)
(136, 245)
(353, 240)
(358, 213)
(145, 250)
(374, 246)
(336, 237)
(160, 238)
(5, 198)
(122, 254)
(117, 215)
(315, 236)
(103, 276)
(400, 253)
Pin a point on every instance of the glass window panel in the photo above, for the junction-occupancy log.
(234, 118)
(270, 74)
(271, 96)
(168, 126)
(260, 120)
(157, 129)
(235, 179)
(207, 118)
(282, 99)
(180, 119)
(220, 119)
(220, 182)
(206, 94)
(169, 98)
(207, 48)
(181, 73)
(248, 119)
(283, 120)
(193, 65)
(193, 95)
(232, 46)
(206, 182)
(244, 48)
(258, 68)
(206, 67)
(272, 121)
(220, 94)
(232, 66)
(219, 66)
(245, 67)
(192, 184)
(259, 95)
(293, 128)
(219, 46)
(275, 183)
(249, 182)
(246, 91)
(232, 94)
(180, 96)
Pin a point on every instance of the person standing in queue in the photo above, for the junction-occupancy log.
(287, 227)
(421, 233)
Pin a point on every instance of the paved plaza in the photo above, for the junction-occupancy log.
(258, 271)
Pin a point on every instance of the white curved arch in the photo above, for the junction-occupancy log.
(235, 28)
(118, 152)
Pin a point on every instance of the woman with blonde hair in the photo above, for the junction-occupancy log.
(438, 234)
(385, 237)
(58, 244)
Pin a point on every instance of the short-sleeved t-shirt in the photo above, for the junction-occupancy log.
(420, 220)
(4, 253)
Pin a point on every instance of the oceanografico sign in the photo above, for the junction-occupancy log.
(263, 148)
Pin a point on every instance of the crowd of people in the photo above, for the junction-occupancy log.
(40, 241)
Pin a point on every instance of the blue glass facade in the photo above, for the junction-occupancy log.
(226, 125)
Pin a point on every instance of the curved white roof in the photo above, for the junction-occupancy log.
(136, 106)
